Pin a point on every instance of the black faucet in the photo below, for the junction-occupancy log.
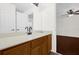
(29, 30)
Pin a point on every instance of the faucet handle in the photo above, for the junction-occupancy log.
(30, 28)
(27, 29)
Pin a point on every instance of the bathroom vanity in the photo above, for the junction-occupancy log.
(39, 43)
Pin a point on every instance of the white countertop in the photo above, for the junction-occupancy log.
(12, 39)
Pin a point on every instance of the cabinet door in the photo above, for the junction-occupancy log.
(36, 46)
(36, 51)
(46, 45)
(44, 48)
(7, 18)
(23, 49)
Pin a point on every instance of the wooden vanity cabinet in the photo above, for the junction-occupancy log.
(23, 49)
(38, 46)
(47, 44)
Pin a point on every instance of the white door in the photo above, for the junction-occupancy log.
(7, 18)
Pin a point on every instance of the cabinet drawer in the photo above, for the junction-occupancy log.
(36, 42)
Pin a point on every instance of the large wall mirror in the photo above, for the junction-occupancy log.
(14, 17)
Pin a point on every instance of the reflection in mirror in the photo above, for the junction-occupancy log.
(24, 16)
(30, 16)
(14, 17)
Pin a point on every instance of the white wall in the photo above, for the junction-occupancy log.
(44, 20)
(67, 26)
(49, 23)
(7, 17)
(37, 19)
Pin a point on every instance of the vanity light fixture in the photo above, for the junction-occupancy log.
(71, 12)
